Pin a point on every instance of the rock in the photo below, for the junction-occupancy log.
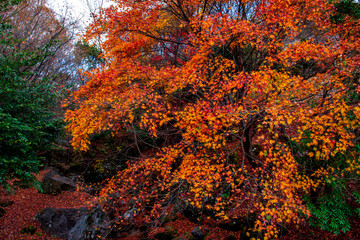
(95, 224)
(76, 223)
(198, 233)
(53, 183)
(78, 231)
(60, 221)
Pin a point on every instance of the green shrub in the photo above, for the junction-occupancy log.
(27, 124)
(330, 212)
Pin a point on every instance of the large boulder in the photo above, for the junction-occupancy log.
(53, 183)
(76, 223)
(59, 222)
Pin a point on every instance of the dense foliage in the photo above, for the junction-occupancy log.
(28, 95)
(237, 108)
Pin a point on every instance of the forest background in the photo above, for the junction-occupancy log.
(243, 112)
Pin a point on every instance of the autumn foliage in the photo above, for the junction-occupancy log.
(251, 107)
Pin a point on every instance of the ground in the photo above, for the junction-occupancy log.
(28, 202)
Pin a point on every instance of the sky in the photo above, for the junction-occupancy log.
(77, 9)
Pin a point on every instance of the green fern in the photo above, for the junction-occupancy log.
(330, 213)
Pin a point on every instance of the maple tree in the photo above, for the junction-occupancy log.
(249, 105)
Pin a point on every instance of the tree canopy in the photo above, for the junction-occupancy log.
(237, 108)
